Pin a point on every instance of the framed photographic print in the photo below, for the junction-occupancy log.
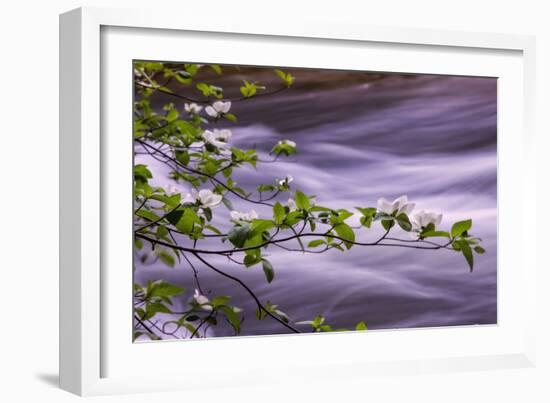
(323, 200)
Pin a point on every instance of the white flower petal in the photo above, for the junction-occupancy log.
(215, 200)
(192, 108)
(384, 206)
(407, 208)
(291, 204)
(210, 111)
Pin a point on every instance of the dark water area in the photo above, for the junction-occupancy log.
(432, 138)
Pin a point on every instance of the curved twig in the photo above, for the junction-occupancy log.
(239, 281)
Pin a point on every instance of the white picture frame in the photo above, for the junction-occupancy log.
(94, 361)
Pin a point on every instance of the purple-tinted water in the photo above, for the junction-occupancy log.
(432, 138)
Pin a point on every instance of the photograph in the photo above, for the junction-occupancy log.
(276, 200)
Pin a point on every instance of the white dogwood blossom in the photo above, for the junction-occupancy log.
(239, 216)
(202, 300)
(171, 190)
(423, 218)
(192, 108)
(399, 206)
(217, 137)
(218, 108)
(285, 181)
(207, 198)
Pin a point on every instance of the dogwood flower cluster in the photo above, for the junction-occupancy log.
(239, 216)
(285, 181)
(192, 108)
(206, 198)
(424, 218)
(218, 108)
(218, 138)
(398, 206)
(401, 205)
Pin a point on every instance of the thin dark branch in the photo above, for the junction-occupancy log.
(141, 205)
(162, 329)
(159, 220)
(252, 294)
(230, 251)
(202, 323)
(147, 328)
(195, 272)
(196, 172)
(418, 241)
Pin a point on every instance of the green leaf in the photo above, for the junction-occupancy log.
(361, 326)
(315, 243)
(141, 173)
(343, 215)
(302, 201)
(479, 250)
(220, 300)
(148, 215)
(232, 317)
(230, 116)
(187, 221)
(183, 157)
(238, 235)
(286, 77)
(460, 227)
(430, 234)
(174, 216)
(258, 227)
(163, 289)
(318, 321)
(366, 221)
(368, 215)
(467, 252)
(204, 88)
(251, 260)
(166, 257)
(346, 233)
(293, 218)
(153, 308)
(213, 229)
(268, 270)
(367, 212)
(227, 203)
(278, 213)
(172, 115)
(404, 222)
(265, 188)
(248, 89)
(388, 224)
(216, 68)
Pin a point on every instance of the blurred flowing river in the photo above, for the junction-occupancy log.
(360, 137)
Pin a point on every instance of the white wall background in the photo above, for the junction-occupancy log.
(29, 197)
